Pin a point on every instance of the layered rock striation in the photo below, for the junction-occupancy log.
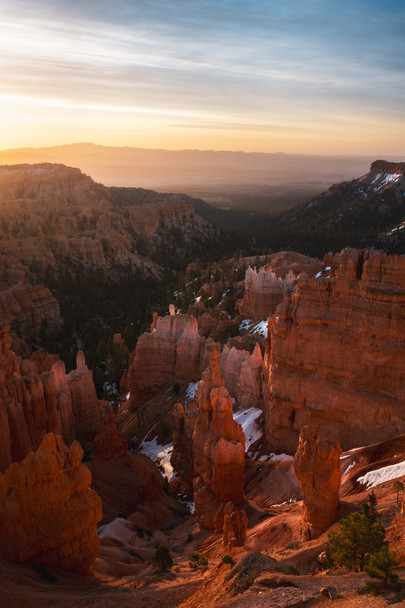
(218, 449)
(30, 307)
(335, 354)
(171, 353)
(317, 467)
(242, 373)
(48, 513)
(263, 292)
(267, 287)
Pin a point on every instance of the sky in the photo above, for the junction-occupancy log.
(298, 76)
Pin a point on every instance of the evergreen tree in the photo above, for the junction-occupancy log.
(359, 537)
(380, 570)
(162, 557)
(399, 487)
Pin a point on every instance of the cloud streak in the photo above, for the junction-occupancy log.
(232, 63)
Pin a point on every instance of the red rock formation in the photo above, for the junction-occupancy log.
(235, 526)
(28, 404)
(263, 292)
(218, 447)
(48, 513)
(170, 353)
(317, 466)
(109, 444)
(37, 397)
(337, 358)
(265, 289)
(30, 306)
(242, 374)
(87, 410)
(83, 222)
(182, 456)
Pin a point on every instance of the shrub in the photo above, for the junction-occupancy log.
(203, 561)
(380, 570)
(228, 559)
(359, 537)
(194, 557)
(162, 557)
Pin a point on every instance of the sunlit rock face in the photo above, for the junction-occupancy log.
(171, 352)
(48, 513)
(242, 374)
(263, 292)
(317, 466)
(266, 288)
(38, 397)
(218, 448)
(335, 355)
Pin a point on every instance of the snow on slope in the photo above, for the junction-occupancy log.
(160, 454)
(248, 419)
(374, 478)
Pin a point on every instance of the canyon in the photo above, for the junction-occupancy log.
(227, 435)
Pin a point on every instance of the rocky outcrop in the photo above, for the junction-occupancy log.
(317, 466)
(172, 352)
(267, 287)
(30, 307)
(235, 526)
(336, 358)
(52, 215)
(242, 374)
(263, 292)
(109, 444)
(385, 166)
(48, 513)
(37, 397)
(87, 410)
(218, 448)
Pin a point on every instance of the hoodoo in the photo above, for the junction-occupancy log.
(219, 448)
(317, 466)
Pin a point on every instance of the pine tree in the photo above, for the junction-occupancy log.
(399, 487)
(162, 557)
(360, 535)
(380, 570)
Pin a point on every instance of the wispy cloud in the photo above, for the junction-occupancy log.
(230, 62)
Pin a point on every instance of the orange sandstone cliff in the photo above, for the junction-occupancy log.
(171, 352)
(336, 354)
(48, 513)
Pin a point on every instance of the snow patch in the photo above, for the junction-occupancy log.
(248, 420)
(274, 457)
(160, 455)
(118, 529)
(374, 478)
(192, 389)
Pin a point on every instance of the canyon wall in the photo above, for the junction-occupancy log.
(263, 292)
(266, 288)
(336, 354)
(30, 306)
(171, 353)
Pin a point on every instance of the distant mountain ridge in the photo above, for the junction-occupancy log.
(358, 213)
